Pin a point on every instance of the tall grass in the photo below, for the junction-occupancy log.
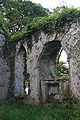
(19, 111)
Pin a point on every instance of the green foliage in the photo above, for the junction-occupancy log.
(19, 35)
(4, 28)
(55, 22)
(25, 18)
(51, 74)
(69, 99)
(62, 71)
(19, 111)
(76, 114)
(19, 13)
(40, 97)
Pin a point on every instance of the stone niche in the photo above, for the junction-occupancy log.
(52, 90)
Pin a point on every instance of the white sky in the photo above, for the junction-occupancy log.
(63, 57)
(54, 3)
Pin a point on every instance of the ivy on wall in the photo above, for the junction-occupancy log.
(4, 28)
(55, 22)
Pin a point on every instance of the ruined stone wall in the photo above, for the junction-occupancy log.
(4, 68)
(12, 63)
(20, 61)
(33, 67)
(12, 67)
(70, 41)
(7, 60)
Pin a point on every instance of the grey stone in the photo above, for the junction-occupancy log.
(4, 69)
(39, 69)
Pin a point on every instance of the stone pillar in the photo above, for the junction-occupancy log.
(20, 61)
(33, 72)
(75, 77)
(71, 42)
(75, 70)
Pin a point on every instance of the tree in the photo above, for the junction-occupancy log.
(19, 13)
(62, 71)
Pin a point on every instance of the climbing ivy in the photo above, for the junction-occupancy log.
(4, 28)
(54, 22)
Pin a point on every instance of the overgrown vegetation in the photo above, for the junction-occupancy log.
(47, 22)
(69, 98)
(4, 28)
(19, 111)
(55, 22)
(62, 71)
(19, 13)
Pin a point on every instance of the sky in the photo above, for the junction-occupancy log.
(63, 57)
(54, 3)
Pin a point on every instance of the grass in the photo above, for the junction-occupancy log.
(19, 111)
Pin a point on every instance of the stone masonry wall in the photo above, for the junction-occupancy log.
(4, 67)
(70, 41)
(7, 64)
(12, 62)
(20, 60)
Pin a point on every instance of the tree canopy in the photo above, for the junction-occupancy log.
(24, 18)
(54, 22)
(19, 13)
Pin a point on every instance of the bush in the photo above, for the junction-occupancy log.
(69, 99)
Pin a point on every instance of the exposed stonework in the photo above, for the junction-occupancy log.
(70, 41)
(53, 90)
(20, 61)
(4, 67)
(38, 69)
(7, 60)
